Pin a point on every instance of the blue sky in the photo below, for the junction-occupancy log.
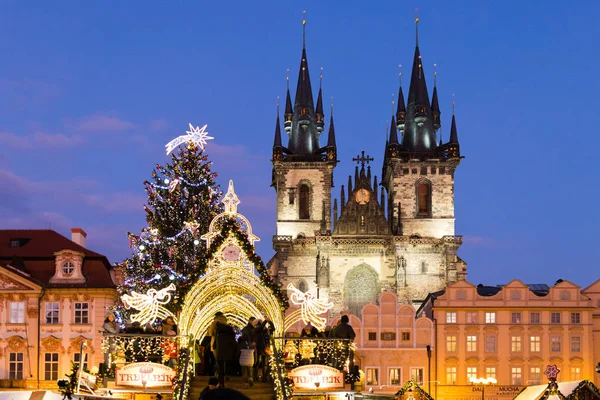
(90, 92)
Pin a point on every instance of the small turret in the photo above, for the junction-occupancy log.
(401, 112)
(319, 108)
(331, 146)
(435, 106)
(277, 147)
(453, 145)
(287, 117)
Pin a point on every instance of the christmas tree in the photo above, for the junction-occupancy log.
(183, 198)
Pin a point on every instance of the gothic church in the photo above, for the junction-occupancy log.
(352, 248)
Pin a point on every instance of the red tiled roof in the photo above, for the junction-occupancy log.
(37, 248)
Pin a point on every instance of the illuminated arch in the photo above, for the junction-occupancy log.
(235, 292)
(229, 287)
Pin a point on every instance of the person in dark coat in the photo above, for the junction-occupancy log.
(262, 339)
(344, 330)
(225, 349)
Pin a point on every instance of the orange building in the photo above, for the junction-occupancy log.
(54, 293)
(510, 333)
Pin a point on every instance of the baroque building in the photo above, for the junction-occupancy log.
(54, 294)
(399, 238)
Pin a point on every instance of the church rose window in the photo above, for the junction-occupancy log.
(361, 287)
(304, 202)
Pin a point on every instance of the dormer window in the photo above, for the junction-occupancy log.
(15, 243)
(68, 268)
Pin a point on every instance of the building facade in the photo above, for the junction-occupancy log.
(54, 294)
(511, 333)
(351, 249)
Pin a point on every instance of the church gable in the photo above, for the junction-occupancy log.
(362, 214)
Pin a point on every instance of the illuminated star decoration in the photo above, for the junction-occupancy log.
(310, 308)
(195, 135)
(149, 305)
(552, 372)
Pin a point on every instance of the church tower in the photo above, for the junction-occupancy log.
(303, 171)
(418, 176)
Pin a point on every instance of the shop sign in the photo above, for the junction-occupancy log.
(144, 374)
(316, 377)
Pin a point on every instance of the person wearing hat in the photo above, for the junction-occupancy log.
(110, 326)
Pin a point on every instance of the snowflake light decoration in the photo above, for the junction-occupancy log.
(195, 135)
(552, 372)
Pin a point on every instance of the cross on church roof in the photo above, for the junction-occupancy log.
(362, 159)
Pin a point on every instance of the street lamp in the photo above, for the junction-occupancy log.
(483, 382)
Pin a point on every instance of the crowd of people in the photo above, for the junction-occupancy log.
(222, 352)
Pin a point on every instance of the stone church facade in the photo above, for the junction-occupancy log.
(393, 235)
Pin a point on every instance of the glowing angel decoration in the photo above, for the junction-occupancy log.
(149, 305)
(309, 311)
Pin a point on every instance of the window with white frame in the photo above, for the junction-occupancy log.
(81, 313)
(555, 344)
(555, 318)
(17, 312)
(490, 372)
(471, 343)
(372, 376)
(85, 360)
(535, 375)
(490, 317)
(471, 317)
(471, 373)
(450, 375)
(575, 344)
(50, 366)
(451, 343)
(451, 317)
(15, 366)
(575, 373)
(417, 375)
(490, 343)
(575, 318)
(68, 268)
(515, 343)
(535, 345)
(516, 376)
(52, 313)
(395, 376)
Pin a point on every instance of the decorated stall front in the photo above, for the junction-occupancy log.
(554, 390)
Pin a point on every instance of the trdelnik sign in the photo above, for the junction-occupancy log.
(316, 377)
(144, 374)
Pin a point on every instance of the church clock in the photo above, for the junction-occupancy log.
(231, 253)
(362, 196)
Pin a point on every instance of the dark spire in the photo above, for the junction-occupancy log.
(319, 110)
(435, 106)
(350, 187)
(331, 136)
(419, 134)
(304, 136)
(342, 199)
(453, 146)
(393, 132)
(287, 117)
(277, 140)
(401, 111)
(453, 132)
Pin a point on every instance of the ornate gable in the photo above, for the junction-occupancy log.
(68, 267)
(8, 283)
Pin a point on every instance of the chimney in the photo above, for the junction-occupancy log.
(78, 236)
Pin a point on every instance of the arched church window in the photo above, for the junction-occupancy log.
(361, 287)
(302, 286)
(423, 199)
(304, 202)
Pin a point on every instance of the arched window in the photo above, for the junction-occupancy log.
(304, 202)
(361, 287)
(423, 199)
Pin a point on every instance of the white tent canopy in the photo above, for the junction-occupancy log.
(536, 392)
